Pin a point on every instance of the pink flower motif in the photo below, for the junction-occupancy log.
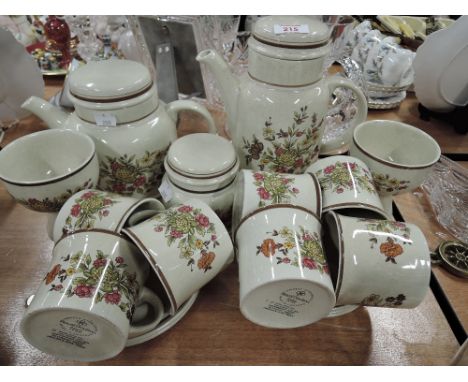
(58, 287)
(309, 263)
(140, 181)
(264, 194)
(258, 176)
(286, 260)
(306, 237)
(112, 298)
(352, 166)
(285, 180)
(185, 209)
(83, 291)
(119, 260)
(339, 191)
(107, 202)
(279, 151)
(75, 211)
(105, 213)
(202, 220)
(158, 228)
(329, 169)
(176, 234)
(88, 195)
(99, 263)
(119, 187)
(295, 190)
(299, 162)
(326, 269)
(115, 166)
(213, 237)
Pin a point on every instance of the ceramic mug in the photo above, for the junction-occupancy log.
(376, 262)
(283, 273)
(96, 209)
(42, 179)
(347, 186)
(258, 189)
(83, 307)
(186, 245)
(399, 156)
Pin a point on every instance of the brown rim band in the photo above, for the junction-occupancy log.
(201, 192)
(317, 192)
(290, 46)
(111, 100)
(283, 86)
(52, 180)
(270, 207)
(123, 123)
(98, 230)
(396, 165)
(155, 267)
(202, 177)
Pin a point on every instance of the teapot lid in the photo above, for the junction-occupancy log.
(109, 80)
(291, 31)
(201, 155)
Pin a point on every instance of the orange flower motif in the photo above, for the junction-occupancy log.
(52, 274)
(268, 247)
(204, 262)
(391, 250)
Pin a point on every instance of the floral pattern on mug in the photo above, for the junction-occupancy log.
(389, 302)
(390, 248)
(89, 207)
(274, 188)
(56, 203)
(193, 232)
(116, 287)
(343, 176)
(289, 151)
(127, 174)
(301, 248)
(385, 183)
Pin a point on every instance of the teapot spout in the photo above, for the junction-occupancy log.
(51, 115)
(227, 82)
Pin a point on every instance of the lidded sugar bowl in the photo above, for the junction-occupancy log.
(117, 104)
(201, 166)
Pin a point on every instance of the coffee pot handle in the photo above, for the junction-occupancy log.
(147, 296)
(175, 107)
(334, 82)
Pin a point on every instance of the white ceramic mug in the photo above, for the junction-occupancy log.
(257, 189)
(376, 262)
(186, 245)
(347, 186)
(83, 307)
(283, 273)
(398, 155)
(96, 209)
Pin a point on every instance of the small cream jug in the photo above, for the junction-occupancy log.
(116, 104)
(275, 110)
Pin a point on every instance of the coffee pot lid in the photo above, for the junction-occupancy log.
(291, 31)
(201, 155)
(110, 80)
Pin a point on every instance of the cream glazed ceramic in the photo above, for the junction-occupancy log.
(399, 156)
(201, 166)
(284, 277)
(257, 189)
(42, 179)
(96, 209)
(117, 105)
(376, 262)
(347, 186)
(83, 306)
(276, 109)
(186, 245)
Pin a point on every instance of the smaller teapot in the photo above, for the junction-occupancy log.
(116, 104)
(275, 110)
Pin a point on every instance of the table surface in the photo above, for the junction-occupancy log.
(214, 332)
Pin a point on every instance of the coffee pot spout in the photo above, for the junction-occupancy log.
(50, 114)
(227, 82)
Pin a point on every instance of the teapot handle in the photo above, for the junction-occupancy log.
(175, 107)
(334, 82)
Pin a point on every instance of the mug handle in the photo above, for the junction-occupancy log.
(175, 107)
(149, 297)
(332, 83)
